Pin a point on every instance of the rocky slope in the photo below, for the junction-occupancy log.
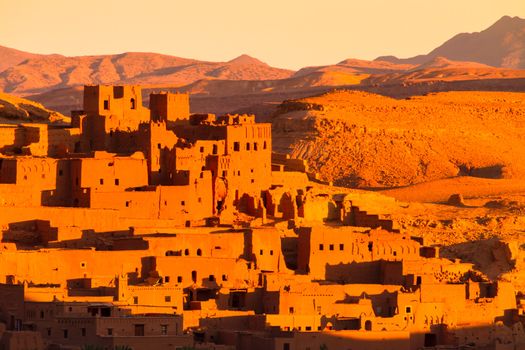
(366, 140)
(15, 110)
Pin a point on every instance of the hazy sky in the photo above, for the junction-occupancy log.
(283, 33)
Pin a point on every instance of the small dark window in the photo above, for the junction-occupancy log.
(179, 279)
(224, 173)
(331, 247)
(101, 181)
(110, 331)
(321, 246)
(167, 298)
(371, 246)
(167, 279)
(215, 150)
(236, 146)
(368, 325)
(182, 203)
(271, 252)
(264, 145)
(255, 146)
(139, 330)
(60, 172)
(194, 276)
(261, 252)
(199, 252)
(224, 277)
(248, 146)
(127, 204)
(201, 149)
(341, 246)
(132, 104)
(117, 182)
(211, 278)
(66, 333)
(186, 252)
(291, 309)
(135, 300)
(408, 309)
(106, 104)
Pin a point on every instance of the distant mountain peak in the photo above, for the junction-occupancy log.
(245, 59)
(500, 45)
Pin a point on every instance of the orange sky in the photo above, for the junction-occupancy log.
(283, 33)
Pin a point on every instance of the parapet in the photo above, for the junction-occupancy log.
(202, 119)
(230, 119)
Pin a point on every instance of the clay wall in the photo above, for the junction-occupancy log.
(59, 266)
(169, 107)
(204, 271)
(320, 249)
(264, 246)
(106, 172)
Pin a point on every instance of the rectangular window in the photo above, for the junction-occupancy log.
(106, 104)
(164, 329)
(167, 298)
(66, 333)
(321, 246)
(341, 246)
(139, 330)
(117, 182)
(110, 331)
(236, 146)
(179, 279)
(101, 181)
(135, 300)
(331, 247)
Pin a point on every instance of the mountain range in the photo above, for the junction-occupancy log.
(494, 54)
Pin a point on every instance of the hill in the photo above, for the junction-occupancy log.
(15, 110)
(43, 73)
(500, 45)
(361, 139)
(443, 69)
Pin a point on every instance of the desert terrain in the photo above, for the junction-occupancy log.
(429, 150)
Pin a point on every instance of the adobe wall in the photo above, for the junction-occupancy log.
(169, 107)
(321, 250)
(84, 218)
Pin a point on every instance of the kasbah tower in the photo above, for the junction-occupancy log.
(137, 228)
